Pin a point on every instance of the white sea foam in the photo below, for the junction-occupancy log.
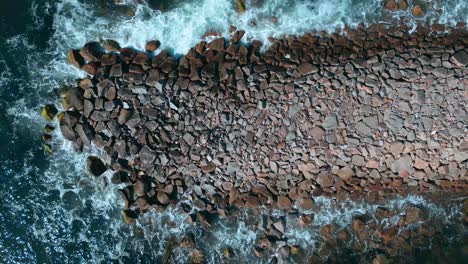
(182, 27)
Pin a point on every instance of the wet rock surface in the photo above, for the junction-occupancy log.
(372, 110)
(376, 109)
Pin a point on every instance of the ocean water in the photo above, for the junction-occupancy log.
(51, 210)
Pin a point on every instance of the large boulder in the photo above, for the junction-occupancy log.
(111, 45)
(91, 51)
(417, 11)
(284, 203)
(95, 166)
(152, 45)
(73, 98)
(460, 58)
(217, 44)
(307, 68)
(75, 59)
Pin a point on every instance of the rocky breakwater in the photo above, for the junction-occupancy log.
(372, 109)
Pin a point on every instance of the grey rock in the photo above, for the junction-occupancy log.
(163, 159)
(427, 123)
(189, 139)
(440, 72)
(358, 160)
(109, 106)
(147, 155)
(114, 128)
(330, 122)
(404, 93)
(394, 123)
(363, 129)
(67, 132)
(139, 90)
(371, 121)
(395, 73)
(402, 164)
(411, 136)
(151, 125)
(149, 112)
(100, 116)
(88, 108)
(133, 120)
(120, 147)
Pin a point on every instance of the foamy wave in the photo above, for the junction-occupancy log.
(182, 27)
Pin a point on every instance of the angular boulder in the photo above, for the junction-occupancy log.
(95, 166)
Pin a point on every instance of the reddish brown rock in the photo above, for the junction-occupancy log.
(217, 44)
(152, 45)
(210, 167)
(417, 11)
(413, 215)
(391, 5)
(345, 173)
(111, 45)
(284, 203)
(325, 179)
(420, 164)
(307, 68)
(163, 198)
(90, 68)
(237, 36)
(306, 203)
(358, 225)
(338, 115)
(305, 219)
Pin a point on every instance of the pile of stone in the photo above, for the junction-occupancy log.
(368, 109)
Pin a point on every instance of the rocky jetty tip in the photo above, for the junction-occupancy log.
(371, 110)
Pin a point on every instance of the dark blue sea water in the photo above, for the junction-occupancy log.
(51, 211)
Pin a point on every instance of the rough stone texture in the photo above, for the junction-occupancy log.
(329, 115)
